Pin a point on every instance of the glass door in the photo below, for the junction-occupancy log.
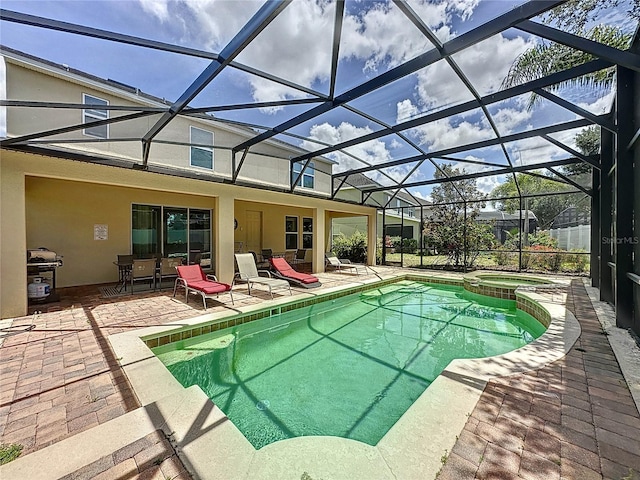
(176, 224)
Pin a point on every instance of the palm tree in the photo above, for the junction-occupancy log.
(547, 58)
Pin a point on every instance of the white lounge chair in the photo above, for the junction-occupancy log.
(345, 264)
(248, 272)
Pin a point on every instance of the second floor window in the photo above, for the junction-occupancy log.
(201, 148)
(93, 114)
(308, 177)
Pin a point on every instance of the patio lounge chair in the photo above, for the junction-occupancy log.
(193, 279)
(248, 272)
(283, 270)
(344, 264)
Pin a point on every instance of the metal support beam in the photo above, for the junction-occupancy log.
(236, 170)
(596, 242)
(490, 28)
(624, 192)
(606, 215)
(73, 128)
(251, 30)
(604, 122)
(472, 146)
(573, 152)
(468, 176)
(619, 57)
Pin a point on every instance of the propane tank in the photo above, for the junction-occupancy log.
(38, 290)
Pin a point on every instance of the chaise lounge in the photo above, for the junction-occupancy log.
(282, 269)
(193, 279)
(248, 272)
(344, 264)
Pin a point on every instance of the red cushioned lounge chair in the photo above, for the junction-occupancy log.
(283, 270)
(193, 279)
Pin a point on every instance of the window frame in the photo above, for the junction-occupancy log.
(89, 116)
(207, 263)
(201, 148)
(307, 235)
(291, 233)
(309, 174)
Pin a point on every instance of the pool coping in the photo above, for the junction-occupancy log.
(210, 446)
(412, 448)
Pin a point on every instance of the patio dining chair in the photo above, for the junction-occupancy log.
(301, 254)
(143, 270)
(168, 269)
(124, 264)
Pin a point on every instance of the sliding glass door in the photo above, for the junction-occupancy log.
(172, 232)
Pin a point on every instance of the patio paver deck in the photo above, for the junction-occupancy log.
(572, 419)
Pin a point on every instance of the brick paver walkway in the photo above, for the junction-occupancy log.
(58, 375)
(574, 419)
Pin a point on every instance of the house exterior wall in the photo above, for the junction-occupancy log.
(266, 164)
(55, 203)
(349, 225)
(273, 223)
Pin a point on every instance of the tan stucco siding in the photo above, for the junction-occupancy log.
(61, 215)
(55, 203)
(271, 167)
(273, 223)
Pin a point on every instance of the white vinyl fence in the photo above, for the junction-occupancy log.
(571, 238)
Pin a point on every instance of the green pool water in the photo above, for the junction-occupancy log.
(348, 367)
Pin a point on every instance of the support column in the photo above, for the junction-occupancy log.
(606, 209)
(624, 193)
(319, 240)
(224, 238)
(596, 237)
(13, 242)
(372, 237)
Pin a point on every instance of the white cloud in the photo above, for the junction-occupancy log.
(374, 152)
(157, 8)
(443, 134)
(367, 36)
(601, 105)
(297, 45)
(507, 119)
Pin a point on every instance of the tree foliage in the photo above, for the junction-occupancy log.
(544, 207)
(574, 15)
(445, 227)
(588, 142)
(547, 58)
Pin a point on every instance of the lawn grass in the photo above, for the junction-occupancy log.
(9, 452)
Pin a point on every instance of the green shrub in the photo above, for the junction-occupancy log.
(501, 257)
(354, 247)
(408, 245)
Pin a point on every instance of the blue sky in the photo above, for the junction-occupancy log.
(376, 36)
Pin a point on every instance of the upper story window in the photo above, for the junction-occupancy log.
(201, 148)
(308, 177)
(93, 114)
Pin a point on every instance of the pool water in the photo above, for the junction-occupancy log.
(348, 367)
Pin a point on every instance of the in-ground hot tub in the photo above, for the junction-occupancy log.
(501, 285)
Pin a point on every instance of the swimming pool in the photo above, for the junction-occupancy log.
(348, 367)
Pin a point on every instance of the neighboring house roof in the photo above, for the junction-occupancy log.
(358, 180)
(488, 215)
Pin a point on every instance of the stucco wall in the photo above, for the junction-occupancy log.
(54, 203)
(61, 214)
(29, 84)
